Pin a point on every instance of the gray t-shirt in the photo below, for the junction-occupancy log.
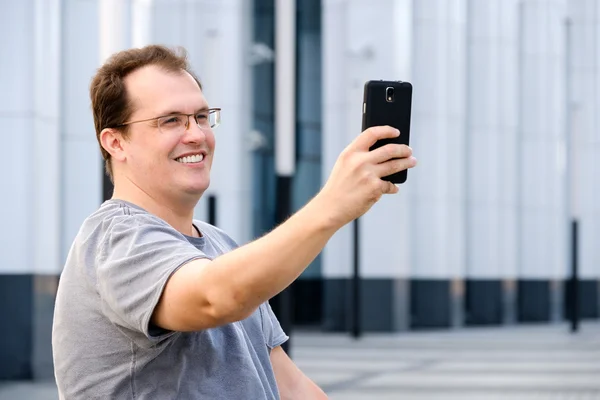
(103, 343)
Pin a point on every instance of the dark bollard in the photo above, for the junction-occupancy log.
(212, 210)
(574, 279)
(356, 325)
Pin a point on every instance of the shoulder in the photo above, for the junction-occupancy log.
(119, 219)
(115, 212)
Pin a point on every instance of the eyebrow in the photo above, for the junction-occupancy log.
(203, 108)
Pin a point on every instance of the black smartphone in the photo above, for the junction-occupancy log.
(388, 103)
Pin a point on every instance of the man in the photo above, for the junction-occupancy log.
(155, 305)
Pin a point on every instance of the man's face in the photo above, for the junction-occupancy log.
(153, 158)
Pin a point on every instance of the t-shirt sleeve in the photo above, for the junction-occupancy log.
(136, 259)
(274, 334)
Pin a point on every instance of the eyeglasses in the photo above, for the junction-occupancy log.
(175, 124)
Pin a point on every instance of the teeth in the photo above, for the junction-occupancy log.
(190, 159)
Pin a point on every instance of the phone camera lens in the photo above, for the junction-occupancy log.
(389, 94)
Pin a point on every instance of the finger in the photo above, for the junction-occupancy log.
(370, 136)
(390, 151)
(392, 166)
(389, 187)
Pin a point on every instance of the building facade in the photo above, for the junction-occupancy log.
(504, 123)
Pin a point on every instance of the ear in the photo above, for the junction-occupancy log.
(112, 141)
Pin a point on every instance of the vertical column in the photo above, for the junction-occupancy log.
(508, 163)
(583, 127)
(263, 116)
(307, 181)
(81, 169)
(439, 179)
(46, 143)
(141, 22)
(114, 17)
(337, 134)
(596, 35)
(17, 118)
(491, 159)
(285, 135)
(484, 148)
(307, 290)
(45, 156)
(542, 159)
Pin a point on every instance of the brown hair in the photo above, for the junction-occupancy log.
(110, 104)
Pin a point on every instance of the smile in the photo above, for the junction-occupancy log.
(196, 158)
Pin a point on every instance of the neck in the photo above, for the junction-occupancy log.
(178, 214)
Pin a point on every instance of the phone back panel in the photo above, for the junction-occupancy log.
(379, 109)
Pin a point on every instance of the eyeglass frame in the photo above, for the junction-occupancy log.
(187, 119)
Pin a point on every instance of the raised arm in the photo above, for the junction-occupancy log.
(204, 294)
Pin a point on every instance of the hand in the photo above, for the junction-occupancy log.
(355, 182)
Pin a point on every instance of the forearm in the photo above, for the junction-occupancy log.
(252, 274)
(291, 382)
(302, 390)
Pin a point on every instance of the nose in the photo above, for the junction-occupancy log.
(193, 133)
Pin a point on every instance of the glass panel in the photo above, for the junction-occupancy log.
(263, 160)
(307, 181)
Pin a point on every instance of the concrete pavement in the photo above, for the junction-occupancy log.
(544, 362)
(534, 362)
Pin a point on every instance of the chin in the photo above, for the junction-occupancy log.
(196, 189)
(189, 186)
(195, 192)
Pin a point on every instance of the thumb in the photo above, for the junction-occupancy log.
(389, 187)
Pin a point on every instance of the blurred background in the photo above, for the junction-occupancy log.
(482, 239)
